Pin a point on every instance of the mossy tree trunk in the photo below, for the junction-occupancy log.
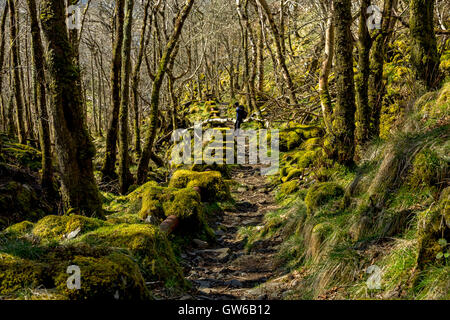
(125, 179)
(13, 35)
(2, 58)
(41, 101)
(109, 163)
(342, 147)
(73, 145)
(260, 71)
(424, 54)
(376, 90)
(325, 98)
(362, 78)
(135, 80)
(157, 83)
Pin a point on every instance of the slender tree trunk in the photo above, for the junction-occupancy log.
(342, 147)
(2, 58)
(279, 51)
(159, 77)
(74, 147)
(94, 102)
(108, 169)
(16, 72)
(260, 85)
(325, 98)
(41, 101)
(424, 55)
(124, 161)
(244, 42)
(362, 78)
(135, 81)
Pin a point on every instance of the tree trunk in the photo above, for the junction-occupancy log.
(260, 85)
(325, 99)
(16, 72)
(41, 101)
(74, 147)
(159, 77)
(108, 169)
(2, 58)
(135, 81)
(124, 160)
(424, 55)
(342, 147)
(362, 79)
(376, 85)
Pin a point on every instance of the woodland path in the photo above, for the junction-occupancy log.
(227, 270)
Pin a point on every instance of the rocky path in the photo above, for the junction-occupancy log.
(226, 270)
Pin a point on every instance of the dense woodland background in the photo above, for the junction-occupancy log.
(87, 116)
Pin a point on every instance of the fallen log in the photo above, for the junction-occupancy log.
(169, 225)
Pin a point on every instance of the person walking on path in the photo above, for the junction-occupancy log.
(241, 114)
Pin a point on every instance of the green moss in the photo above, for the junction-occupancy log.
(288, 188)
(428, 169)
(311, 144)
(212, 185)
(222, 168)
(146, 242)
(19, 202)
(294, 173)
(434, 224)
(23, 155)
(57, 227)
(17, 273)
(304, 159)
(321, 193)
(114, 276)
(19, 229)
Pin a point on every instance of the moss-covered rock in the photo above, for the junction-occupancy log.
(212, 185)
(18, 202)
(321, 193)
(18, 229)
(222, 168)
(434, 225)
(146, 242)
(17, 273)
(22, 155)
(59, 227)
(288, 188)
(428, 169)
(294, 173)
(304, 159)
(311, 144)
(161, 202)
(115, 276)
(290, 140)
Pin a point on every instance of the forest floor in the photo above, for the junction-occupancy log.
(227, 270)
